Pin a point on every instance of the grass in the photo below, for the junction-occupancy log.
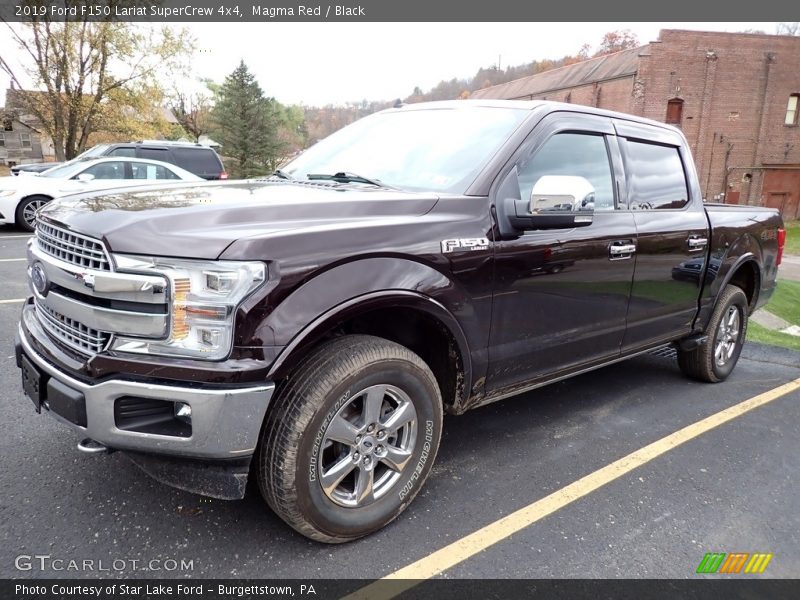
(792, 237)
(762, 335)
(786, 304)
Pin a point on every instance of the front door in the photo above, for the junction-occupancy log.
(561, 295)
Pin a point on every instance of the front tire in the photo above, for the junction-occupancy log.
(715, 360)
(26, 211)
(351, 438)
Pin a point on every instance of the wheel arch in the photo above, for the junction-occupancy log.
(435, 335)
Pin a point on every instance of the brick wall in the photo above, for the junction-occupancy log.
(735, 88)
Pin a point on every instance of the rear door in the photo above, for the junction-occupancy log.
(561, 295)
(203, 162)
(672, 234)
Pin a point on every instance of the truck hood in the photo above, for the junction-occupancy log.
(201, 220)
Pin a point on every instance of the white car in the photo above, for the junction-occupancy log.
(21, 197)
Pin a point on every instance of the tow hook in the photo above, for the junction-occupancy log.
(90, 446)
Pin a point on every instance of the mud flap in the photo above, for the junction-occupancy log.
(221, 479)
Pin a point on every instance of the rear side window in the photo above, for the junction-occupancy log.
(200, 161)
(656, 176)
(148, 171)
(153, 154)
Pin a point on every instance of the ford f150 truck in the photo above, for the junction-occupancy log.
(310, 329)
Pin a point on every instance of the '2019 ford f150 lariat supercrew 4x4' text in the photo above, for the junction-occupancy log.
(310, 329)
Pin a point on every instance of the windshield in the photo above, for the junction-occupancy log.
(433, 149)
(64, 171)
(93, 152)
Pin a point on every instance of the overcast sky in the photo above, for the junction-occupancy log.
(322, 63)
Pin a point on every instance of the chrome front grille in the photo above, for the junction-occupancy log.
(70, 332)
(72, 247)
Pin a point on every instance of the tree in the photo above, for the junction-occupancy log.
(617, 40)
(247, 124)
(193, 110)
(89, 73)
(788, 28)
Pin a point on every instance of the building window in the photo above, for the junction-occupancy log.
(791, 110)
(25, 139)
(675, 111)
(2, 140)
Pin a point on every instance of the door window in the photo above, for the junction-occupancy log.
(126, 152)
(105, 170)
(656, 176)
(578, 161)
(153, 154)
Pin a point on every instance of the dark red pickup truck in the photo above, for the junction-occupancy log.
(312, 328)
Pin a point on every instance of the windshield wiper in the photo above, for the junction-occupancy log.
(281, 174)
(344, 177)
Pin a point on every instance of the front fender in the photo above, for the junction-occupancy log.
(363, 285)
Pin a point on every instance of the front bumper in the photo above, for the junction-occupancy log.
(226, 421)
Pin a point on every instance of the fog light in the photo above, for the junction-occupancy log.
(183, 412)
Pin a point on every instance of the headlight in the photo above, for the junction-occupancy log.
(7, 193)
(203, 300)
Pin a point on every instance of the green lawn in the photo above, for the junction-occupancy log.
(792, 237)
(762, 335)
(786, 304)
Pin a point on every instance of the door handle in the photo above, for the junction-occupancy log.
(621, 250)
(697, 243)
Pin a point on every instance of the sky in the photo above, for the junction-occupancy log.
(335, 63)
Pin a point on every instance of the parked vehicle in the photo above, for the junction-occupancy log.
(31, 168)
(21, 197)
(201, 160)
(316, 325)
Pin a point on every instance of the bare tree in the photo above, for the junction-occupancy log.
(193, 111)
(788, 28)
(86, 69)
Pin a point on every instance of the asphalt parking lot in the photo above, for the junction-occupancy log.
(731, 489)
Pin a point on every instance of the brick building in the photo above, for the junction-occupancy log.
(736, 96)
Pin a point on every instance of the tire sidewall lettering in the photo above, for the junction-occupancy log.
(315, 448)
(423, 459)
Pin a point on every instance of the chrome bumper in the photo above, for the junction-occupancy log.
(225, 422)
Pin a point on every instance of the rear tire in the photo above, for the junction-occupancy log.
(25, 214)
(715, 360)
(350, 439)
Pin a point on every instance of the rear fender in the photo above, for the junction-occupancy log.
(745, 249)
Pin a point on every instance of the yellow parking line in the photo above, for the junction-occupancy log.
(12, 301)
(12, 259)
(487, 536)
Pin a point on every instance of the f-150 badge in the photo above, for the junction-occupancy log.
(464, 244)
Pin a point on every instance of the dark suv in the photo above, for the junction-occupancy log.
(201, 160)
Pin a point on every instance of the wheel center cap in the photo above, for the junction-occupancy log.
(367, 444)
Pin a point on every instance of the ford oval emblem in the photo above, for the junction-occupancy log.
(39, 279)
